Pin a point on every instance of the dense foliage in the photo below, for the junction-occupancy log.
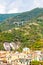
(36, 63)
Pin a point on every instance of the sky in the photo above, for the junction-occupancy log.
(17, 6)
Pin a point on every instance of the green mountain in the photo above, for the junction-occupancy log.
(5, 16)
(20, 19)
(25, 16)
(22, 16)
(30, 34)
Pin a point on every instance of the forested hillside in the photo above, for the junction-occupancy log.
(29, 34)
(5, 16)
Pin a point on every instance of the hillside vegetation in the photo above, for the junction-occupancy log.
(29, 35)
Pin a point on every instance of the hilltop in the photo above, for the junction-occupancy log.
(20, 18)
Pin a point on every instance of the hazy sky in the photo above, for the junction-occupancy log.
(15, 6)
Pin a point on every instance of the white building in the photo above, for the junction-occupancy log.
(13, 45)
(7, 46)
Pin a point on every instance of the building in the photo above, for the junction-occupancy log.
(7, 46)
(3, 56)
(26, 50)
(14, 45)
(36, 55)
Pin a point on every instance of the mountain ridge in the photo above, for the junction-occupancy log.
(24, 17)
(6, 16)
